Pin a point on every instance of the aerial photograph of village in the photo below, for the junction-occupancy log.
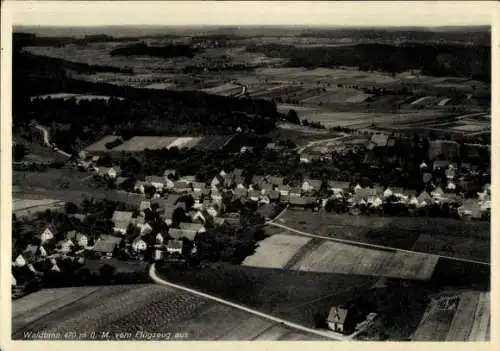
(251, 183)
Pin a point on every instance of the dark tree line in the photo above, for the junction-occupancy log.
(443, 59)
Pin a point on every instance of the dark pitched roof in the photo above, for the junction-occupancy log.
(337, 315)
(302, 200)
(177, 233)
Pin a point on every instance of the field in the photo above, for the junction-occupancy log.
(466, 320)
(276, 251)
(448, 237)
(140, 308)
(289, 294)
(289, 251)
(26, 207)
(141, 143)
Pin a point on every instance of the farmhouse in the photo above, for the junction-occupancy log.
(139, 186)
(174, 246)
(196, 227)
(181, 186)
(121, 220)
(47, 234)
(342, 320)
(156, 181)
(170, 173)
(78, 238)
(424, 198)
(440, 164)
(111, 172)
(198, 187)
(302, 201)
(106, 246)
(139, 245)
(338, 186)
(177, 233)
(377, 140)
(311, 184)
(65, 246)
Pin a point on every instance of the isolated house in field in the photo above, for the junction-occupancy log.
(175, 246)
(156, 181)
(341, 320)
(47, 235)
(121, 220)
(139, 245)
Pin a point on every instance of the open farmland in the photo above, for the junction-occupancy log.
(140, 308)
(463, 316)
(26, 207)
(286, 250)
(438, 236)
(276, 251)
(141, 143)
(289, 294)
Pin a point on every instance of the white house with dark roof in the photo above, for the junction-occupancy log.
(47, 235)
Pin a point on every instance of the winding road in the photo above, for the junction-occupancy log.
(46, 140)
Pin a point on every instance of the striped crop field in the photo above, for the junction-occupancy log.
(140, 312)
(466, 319)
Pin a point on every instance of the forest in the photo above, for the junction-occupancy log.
(433, 59)
(165, 51)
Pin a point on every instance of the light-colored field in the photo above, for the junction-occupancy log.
(331, 257)
(276, 251)
(225, 89)
(480, 330)
(407, 265)
(469, 128)
(464, 317)
(468, 321)
(359, 98)
(139, 143)
(21, 204)
(100, 145)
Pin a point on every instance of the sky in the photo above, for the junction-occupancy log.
(301, 13)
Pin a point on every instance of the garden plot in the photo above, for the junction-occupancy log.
(276, 251)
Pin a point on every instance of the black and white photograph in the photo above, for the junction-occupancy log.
(209, 171)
